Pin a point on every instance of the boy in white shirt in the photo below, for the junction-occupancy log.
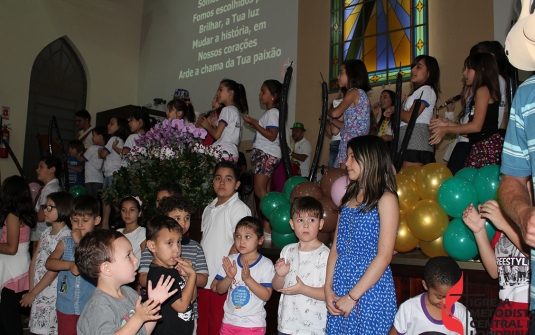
(423, 313)
(94, 177)
(48, 171)
(300, 272)
(219, 221)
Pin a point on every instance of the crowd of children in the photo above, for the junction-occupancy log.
(151, 277)
(86, 281)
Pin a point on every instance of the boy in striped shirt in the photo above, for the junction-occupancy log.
(180, 209)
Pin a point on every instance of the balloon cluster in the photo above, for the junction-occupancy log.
(76, 190)
(428, 196)
(276, 206)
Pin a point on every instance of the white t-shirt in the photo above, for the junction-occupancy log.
(513, 271)
(218, 226)
(129, 144)
(270, 120)
(93, 165)
(242, 307)
(131, 141)
(230, 138)
(429, 98)
(136, 237)
(310, 267)
(303, 147)
(414, 318)
(113, 161)
(88, 141)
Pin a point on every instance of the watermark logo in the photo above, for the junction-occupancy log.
(450, 321)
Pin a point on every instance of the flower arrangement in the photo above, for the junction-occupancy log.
(170, 152)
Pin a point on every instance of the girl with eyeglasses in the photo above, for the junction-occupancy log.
(17, 217)
(43, 293)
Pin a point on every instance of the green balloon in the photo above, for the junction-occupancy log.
(290, 184)
(282, 240)
(486, 182)
(468, 173)
(280, 219)
(271, 201)
(77, 190)
(457, 241)
(455, 194)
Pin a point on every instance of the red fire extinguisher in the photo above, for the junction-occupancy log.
(5, 136)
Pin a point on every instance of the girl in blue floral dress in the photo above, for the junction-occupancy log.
(355, 108)
(359, 288)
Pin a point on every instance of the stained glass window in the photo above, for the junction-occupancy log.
(386, 34)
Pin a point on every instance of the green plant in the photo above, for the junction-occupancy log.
(169, 152)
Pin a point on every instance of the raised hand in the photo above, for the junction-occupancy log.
(184, 268)
(205, 123)
(230, 268)
(294, 289)
(148, 311)
(491, 210)
(250, 120)
(281, 267)
(245, 271)
(160, 292)
(473, 220)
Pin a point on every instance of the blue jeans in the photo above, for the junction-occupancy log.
(107, 181)
(333, 152)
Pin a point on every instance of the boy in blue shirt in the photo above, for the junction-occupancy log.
(75, 162)
(73, 289)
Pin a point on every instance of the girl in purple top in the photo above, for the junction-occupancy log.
(355, 108)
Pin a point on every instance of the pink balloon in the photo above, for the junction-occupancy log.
(339, 189)
(34, 190)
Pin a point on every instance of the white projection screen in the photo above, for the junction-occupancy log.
(193, 44)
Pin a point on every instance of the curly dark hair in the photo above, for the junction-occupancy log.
(441, 270)
(176, 201)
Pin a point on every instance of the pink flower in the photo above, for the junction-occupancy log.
(177, 123)
(200, 133)
(190, 128)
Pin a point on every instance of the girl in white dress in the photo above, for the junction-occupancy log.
(42, 294)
